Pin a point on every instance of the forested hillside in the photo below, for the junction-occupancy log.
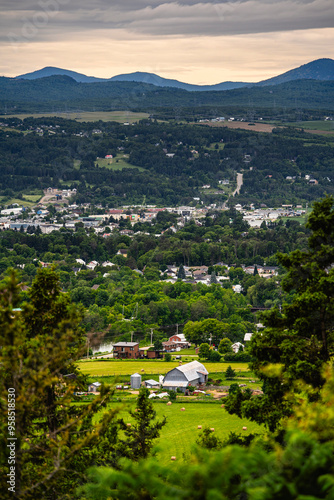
(168, 163)
(61, 92)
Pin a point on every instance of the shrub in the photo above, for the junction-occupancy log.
(207, 439)
(214, 356)
(239, 356)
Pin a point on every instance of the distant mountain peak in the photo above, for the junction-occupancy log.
(320, 69)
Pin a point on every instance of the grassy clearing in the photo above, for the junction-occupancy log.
(326, 126)
(28, 201)
(117, 163)
(116, 367)
(179, 435)
(90, 116)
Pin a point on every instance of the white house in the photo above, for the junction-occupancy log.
(237, 347)
(181, 377)
(94, 387)
(92, 265)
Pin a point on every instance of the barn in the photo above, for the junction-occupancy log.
(181, 377)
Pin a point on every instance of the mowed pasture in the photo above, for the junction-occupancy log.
(179, 435)
(117, 163)
(124, 367)
(90, 116)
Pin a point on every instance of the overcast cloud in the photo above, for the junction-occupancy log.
(44, 25)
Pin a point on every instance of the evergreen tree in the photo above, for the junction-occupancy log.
(230, 373)
(213, 278)
(139, 436)
(181, 274)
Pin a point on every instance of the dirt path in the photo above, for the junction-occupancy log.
(240, 181)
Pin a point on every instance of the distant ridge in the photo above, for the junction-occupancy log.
(53, 71)
(320, 69)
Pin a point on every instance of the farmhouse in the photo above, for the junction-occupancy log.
(126, 350)
(181, 377)
(175, 343)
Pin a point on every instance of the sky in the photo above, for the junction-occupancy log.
(200, 42)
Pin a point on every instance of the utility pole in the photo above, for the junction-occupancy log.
(87, 347)
(177, 328)
(131, 336)
(151, 335)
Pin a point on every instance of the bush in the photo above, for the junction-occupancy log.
(172, 395)
(168, 357)
(234, 388)
(214, 356)
(207, 439)
(239, 356)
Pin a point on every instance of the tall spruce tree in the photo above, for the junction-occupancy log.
(181, 274)
(140, 435)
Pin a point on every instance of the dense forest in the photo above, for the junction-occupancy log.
(167, 163)
(64, 93)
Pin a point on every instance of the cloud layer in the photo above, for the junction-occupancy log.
(189, 27)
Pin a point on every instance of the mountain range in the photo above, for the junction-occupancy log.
(320, 69)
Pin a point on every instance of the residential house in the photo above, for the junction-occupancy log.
(126, 350)
(123, 251)
(238, 346)
(92, 265)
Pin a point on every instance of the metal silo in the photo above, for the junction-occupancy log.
(135, 381)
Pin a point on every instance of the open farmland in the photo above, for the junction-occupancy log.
(179, 435)
(116, 367)
(89, 116)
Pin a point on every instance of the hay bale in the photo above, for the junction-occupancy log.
(183, 409)
(212, 429)
(199, 427)
(173, 458)
(128, 425)
(222, 406)
(142, 370)
(169, 403)
(244, 428)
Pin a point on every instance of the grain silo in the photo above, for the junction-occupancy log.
(135, 381)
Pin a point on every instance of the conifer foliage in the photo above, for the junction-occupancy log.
(40, 341)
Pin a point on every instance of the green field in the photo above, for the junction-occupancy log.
(87, 116)
(318, 125)
(27, 201)
(116, 367)
(180, 433)
(117, 163)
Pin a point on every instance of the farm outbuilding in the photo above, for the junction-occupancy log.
(94, 387)
(151, 384)
(181, 377)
